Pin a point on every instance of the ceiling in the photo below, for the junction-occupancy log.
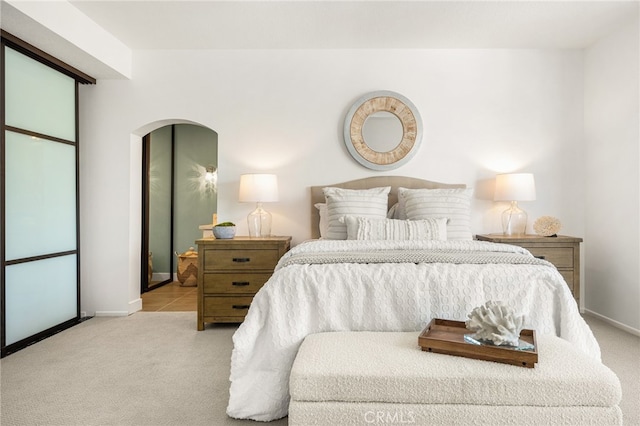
(329, 24)
(357, 24)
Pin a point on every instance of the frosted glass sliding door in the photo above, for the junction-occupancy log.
(39, 98)
(40, 265)
(40, 196)
(41, 294)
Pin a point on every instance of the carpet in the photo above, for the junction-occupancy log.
(154, 368)
(145, 369)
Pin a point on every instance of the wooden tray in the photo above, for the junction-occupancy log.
(447, 337)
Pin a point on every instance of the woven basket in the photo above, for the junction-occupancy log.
(188, 268)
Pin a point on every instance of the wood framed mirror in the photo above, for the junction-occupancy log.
(382, 130)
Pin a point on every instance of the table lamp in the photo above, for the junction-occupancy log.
(514, 187)
(259, 188)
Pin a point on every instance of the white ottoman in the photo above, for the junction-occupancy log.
(360, 378)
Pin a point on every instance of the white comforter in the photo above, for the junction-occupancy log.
(301, 299)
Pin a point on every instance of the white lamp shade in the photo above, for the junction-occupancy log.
(260, 187)
(515, 187)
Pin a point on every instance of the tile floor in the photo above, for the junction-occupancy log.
(170, 298)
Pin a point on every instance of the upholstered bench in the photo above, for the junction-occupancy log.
(359, 378)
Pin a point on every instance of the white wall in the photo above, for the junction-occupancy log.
(612, 202)
(282, 111)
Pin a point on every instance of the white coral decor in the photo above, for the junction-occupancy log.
(547, 226)
(496, 322)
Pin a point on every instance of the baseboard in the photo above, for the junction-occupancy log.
(135, 305)
(614, 323)
(112, 313)
(160, 276)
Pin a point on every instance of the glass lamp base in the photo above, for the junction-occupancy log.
(259, 222)
(514, 220)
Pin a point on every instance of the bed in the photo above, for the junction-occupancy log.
(410, 258)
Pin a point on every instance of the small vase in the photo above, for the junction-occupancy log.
(224, 232)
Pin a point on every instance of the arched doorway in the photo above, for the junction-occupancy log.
(135, 203)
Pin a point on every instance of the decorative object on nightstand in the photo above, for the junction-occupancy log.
(547, 226)
(258, 188)
(224, 230)
(230, 273)
(514, 187)
(563, 251)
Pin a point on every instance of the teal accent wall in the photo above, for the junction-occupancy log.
(195, 200)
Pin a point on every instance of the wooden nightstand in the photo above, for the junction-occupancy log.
(562, 251)
(230, 273)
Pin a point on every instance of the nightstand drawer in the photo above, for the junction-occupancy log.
(561, 257)
(240, 259)
(234, 283)
(227, 306)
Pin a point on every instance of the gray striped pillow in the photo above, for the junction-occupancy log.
(363, 228)
(454, 204)
(355, 202)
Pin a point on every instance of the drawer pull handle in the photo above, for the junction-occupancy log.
(240, 306)
(241, 259)
(541, 257)
(240, 283)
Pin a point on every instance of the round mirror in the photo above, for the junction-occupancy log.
(382, 130)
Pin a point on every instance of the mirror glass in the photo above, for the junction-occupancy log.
(179, 194)
(160, 183)
(382, 131)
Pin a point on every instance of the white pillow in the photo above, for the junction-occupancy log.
(363, 228)
(401, 211)
(322, 211)
(454, 204)
(355, 202)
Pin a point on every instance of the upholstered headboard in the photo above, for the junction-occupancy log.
(317, 196)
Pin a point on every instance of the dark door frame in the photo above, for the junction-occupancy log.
(145, 285)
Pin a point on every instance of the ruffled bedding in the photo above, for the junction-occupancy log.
(385, 286)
